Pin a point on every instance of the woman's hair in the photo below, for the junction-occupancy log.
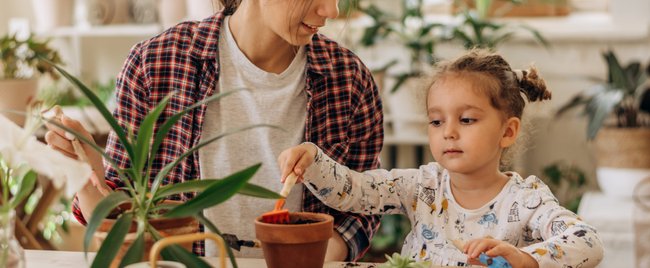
(230, 6)
(506, 88)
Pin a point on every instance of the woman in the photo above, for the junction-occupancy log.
(296, 78)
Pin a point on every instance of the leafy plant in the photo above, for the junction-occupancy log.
(346, 7)
(622, 95)
(398, 261)
(411, 29)
(477, 31)
(70, 97)
(145, 196)
(566, 182)
(19, 58)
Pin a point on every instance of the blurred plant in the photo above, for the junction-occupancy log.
(389, 238)
(622, 95)
(567, 182)
(411, 30)
(475, 30)
(398, 261)
(19, 58)
(348, 7)
(70, 97)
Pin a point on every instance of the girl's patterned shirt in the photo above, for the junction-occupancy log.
(525, 213)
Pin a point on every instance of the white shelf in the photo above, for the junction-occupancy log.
(122, 30)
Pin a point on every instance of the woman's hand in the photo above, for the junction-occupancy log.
(61, 141)
(493, 248)
(297, 159)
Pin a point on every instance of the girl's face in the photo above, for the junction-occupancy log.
(466, 133)
(296, 21)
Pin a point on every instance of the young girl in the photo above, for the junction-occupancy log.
(474, 105)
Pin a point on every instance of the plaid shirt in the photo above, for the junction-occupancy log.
(344, 111)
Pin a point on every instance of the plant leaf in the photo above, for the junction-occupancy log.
(135, 253)
(145, 133)
(26, 186)
(215, 194)
(165, 170)
(101, 211)
(101, 108)
(208, 224)
(253, 190)
(113, 242)
(599, 108)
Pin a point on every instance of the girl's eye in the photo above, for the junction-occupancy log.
(436, 123)
(467, 121)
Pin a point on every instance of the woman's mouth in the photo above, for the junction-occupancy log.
(311, 28)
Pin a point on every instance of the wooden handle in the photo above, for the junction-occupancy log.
(288, 184)
(176, 239)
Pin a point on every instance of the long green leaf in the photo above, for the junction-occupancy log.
(178, 253)
(253, 190)
(101, 211)
(144, 135)
(135, 253)
(215, 194)
(165, 170)
(208, 224)
(101, 108)
(164, 129)
(200, 186)
(113, 242)
(26, 185)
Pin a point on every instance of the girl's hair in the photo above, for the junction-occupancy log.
(506, 88)
(230, 6)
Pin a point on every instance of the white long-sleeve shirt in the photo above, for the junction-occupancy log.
(525, 213)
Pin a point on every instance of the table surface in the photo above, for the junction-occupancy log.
(68, 259)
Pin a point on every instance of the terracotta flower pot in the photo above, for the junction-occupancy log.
(301, 243)
(16, 95)
(166, 227)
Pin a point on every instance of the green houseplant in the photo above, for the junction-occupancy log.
(145, 197)
(19, 60)
(617, 110)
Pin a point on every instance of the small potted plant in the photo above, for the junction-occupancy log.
(19, 60)
(139, 208)
(618, 114)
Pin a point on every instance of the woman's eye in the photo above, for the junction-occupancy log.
(436, 123)
(467, 121)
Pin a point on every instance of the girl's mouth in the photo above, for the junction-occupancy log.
(452, 151)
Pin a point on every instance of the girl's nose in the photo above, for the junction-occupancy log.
(450, 131)
(328, 9)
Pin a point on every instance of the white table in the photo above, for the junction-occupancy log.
(69, 259)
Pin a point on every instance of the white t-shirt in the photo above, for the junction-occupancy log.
(525, 213)
(276, 99)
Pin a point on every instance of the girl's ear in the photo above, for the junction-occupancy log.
(512, 127)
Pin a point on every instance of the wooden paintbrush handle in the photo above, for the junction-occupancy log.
(288, 184)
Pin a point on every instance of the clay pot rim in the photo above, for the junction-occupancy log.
(320, 218)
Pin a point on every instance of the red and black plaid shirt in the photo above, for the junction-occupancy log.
(344, 111)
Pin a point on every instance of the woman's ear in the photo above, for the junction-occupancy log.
(512, 128)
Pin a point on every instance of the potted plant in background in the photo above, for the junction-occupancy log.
(405, 109)
(19, 59)
(618, 114)
(142, 207)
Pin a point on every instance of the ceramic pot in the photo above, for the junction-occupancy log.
(16, 95)
(50, 14)
(166, 227)
(301, 243)
(623, 156)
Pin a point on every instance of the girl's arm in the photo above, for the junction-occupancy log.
(567, 240)
(372, 192)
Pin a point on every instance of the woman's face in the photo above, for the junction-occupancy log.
(296, 21)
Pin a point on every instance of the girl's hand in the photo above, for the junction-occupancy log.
(61, 141)
(297, 159)
(493, 248)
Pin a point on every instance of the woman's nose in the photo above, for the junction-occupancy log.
(328, 9)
